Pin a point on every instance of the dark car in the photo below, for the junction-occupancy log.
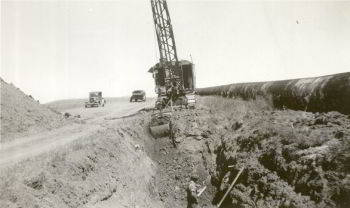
(138, 95)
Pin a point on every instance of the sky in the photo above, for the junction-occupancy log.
(64, 49)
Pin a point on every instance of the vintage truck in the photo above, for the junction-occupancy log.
(138, 95)
(95, 100)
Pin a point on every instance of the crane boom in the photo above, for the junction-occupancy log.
(174, 79)
(164, 31)
(167, 50)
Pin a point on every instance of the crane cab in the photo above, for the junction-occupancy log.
(185, 73)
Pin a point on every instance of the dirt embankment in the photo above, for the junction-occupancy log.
(99, 161)
(107, 169)
(21, 114)
(316, 94)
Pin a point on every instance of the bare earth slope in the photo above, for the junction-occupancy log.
(22, 114)
(95, 162)
(108, 168)
(292, 159)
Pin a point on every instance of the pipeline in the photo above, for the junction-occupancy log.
(317, 94)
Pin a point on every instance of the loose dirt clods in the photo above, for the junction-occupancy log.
(101, 168)
(290, 159)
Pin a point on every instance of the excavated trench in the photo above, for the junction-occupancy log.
(290, 159)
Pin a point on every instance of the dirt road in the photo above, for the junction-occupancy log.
(91, 120)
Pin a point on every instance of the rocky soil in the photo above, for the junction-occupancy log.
(290, 159)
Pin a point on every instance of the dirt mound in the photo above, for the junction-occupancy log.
(20, 113)
(291, 158)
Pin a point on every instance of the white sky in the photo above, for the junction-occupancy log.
(63, 49)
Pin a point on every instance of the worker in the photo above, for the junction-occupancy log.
(192, 192)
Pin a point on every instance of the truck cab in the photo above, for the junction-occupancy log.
(138, 95)
(95, 100)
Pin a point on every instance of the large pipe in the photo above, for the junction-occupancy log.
(317, 94)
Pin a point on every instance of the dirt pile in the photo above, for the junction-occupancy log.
(291, 158)
(20, 113)
(315, 94)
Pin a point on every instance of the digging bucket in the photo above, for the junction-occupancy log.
(160, 124)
